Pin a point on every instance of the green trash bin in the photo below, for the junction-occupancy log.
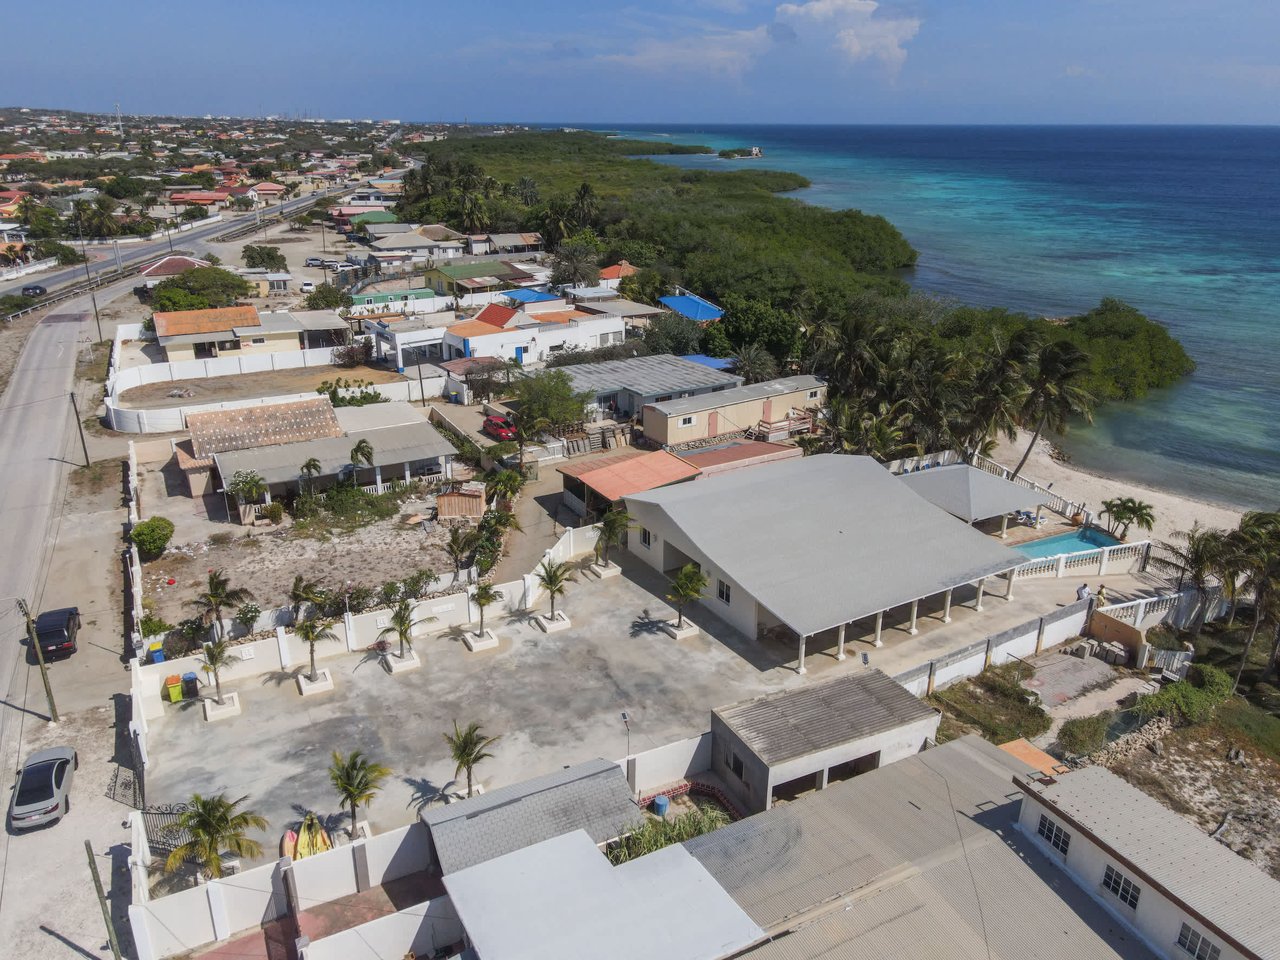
(173, 688)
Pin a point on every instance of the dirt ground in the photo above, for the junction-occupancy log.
(1194, 777)
(13, 336)
(265, 560)
(245, 386)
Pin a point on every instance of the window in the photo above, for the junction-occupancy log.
(813, 394)
(663, 399)
(1058, 838)
(258, 340)
(1196, 944)
(722, 591)
(734, 763)
(1126, 890)
(688, 421)
(646, 538)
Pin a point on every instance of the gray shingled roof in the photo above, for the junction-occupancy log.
(1223, 887)
(648, 376)
(824, 540)
(971, 494)
(592, 796)
(917, 859)
(795, 723)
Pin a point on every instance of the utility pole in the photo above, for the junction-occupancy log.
(75, 409)
(44, 672)
(102, 902)
(89, 278)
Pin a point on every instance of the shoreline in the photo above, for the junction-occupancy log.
(1173, 511)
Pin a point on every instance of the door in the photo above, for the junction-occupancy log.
(520, 355)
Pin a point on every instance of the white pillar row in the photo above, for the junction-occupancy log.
(840, 651)
(977, 604)
(800, 668)
(879, 628)
(915, 609)
(946, 606)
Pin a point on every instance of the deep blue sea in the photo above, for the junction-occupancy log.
(1182, 222)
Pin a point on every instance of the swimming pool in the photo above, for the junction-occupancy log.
(1086, 538)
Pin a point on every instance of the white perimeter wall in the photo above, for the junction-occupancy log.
(423, 928)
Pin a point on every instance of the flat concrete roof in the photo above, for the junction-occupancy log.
(970, 493)
(824, 540)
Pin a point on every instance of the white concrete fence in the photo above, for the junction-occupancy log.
(1121, 558)
(1177, 609)
(158, 235)
(13, 273)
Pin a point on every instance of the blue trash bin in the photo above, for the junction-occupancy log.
(660, 804)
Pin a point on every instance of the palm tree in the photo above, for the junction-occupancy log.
(686, 586)
(473, 212)
(527, 428)
(310, 470)
(1196, 553)
(213, 825)
(557, 221)
(312, 631)
(554, 578)
(468, 747)
(527, 190)
(1257, 540)
(613, 527)
(485, 595)
(402, 624)
(218, 594)
(215, 656)
(584, 207)
(1056, 392)
(575, 265)
(754, 363)
(503, 484)
(459, 547)
(1137, 512)
(362, 452)
(303, 591)
(247, 485)
(357, 780)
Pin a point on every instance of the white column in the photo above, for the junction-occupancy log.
(1102, 567)
(800, 668)
(840, 652)
(946, 606)
(879, 628)
(407, 478)
(377, 478)
(1062, 565)
(977, 604)
(267, 494)
(1008, 590)
(1004, 527)
(915, 608)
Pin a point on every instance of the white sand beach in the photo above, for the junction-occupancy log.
(1172, 511)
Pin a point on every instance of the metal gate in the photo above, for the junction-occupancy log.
(159, 821)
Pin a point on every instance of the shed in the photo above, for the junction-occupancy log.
(466, 500)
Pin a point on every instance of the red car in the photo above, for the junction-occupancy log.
(499, 428)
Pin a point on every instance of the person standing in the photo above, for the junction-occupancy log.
(1102, 594)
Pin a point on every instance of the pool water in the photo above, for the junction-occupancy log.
(1086, 538)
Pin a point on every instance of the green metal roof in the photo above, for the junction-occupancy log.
(375, 216)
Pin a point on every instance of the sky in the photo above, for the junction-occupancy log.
(691, 61)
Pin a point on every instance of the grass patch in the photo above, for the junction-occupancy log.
(95, 478)
(1084, 735)
(995, 704)
(658, 833)
(343, 509)
(1241, 720)
(1221, 645)
(93, 361)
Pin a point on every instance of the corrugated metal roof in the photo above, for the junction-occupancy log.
(971, 494)
(1221, 886)
(592, 796)
(645, 472)
(850, 540)
(275, 423)
(738, 453)
(916, 859)
(751, 391)
(647, 376)
(795, 723)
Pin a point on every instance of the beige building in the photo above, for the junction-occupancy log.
(773, 410)
(241, 330)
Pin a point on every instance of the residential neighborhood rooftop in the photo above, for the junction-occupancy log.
(970, 493)
(178, 323)
(682, 406)
(627, 475)
(656, 374)
(260, 426)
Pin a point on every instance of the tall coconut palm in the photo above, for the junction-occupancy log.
(362, 452)
(527, 429)
(313, 630)
(554, 577)
(468, 747)
(527, 191)
(575, 265)
(1196, 553)
(357, 779)
(402, 624)
(218, 594)
(585, 206)
(1055, 392)
(485, 595)
(459, 547)
(302, 592)
(557, 221)
(687, 585)
(1257, 541)
(613, 527)
(213, 825)
(754, 363)
(473, 212)
(1139, 513)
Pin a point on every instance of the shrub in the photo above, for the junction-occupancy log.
(353, 354)
(274, 511)
(153, 626)
(1193, 700)
(248, 615)
(152, 536)
(1084, 735)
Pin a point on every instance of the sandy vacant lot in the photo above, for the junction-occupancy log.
(246, 386)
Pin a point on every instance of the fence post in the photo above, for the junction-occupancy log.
(928, 690)
(1040, 637)
(1102, 566)
(1062, 565)
(349, 626)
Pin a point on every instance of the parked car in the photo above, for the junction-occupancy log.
(42, 793)
(499, 427)
(333, 264)
(56, 632)
(307, 287)
(34, 290)
(313, 262)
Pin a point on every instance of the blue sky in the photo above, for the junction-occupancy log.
(699, 61)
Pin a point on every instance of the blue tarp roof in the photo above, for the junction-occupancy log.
(528, 296)
(695, 308)
(715, 363)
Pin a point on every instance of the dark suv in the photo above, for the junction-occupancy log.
(34, 290)
(56, 632)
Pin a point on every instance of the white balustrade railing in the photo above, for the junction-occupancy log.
(1101, 558)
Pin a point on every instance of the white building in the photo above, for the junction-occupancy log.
(527, 336)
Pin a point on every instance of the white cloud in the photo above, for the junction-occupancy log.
(860, 32)
(728, 53)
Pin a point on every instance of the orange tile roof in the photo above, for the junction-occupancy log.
(559, 316)
(638, 474)
(495, 315)
(618, 271)
(473, 328)
(175, 323)
(1032, 756)
(586, 466)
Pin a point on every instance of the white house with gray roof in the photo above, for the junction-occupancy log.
(624, 387)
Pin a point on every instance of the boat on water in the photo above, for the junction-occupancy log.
(310, 838)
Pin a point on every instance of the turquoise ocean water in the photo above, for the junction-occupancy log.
(1182, 222)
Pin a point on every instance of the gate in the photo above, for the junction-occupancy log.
(159, 821)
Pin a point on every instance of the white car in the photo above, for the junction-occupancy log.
(307, 287)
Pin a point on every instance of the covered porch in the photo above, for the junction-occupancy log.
(977, 497)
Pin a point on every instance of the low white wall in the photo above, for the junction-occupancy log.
(423, 929)
(325, 876)
(398, 853)
(254, 897)
(21, 271)
(174, 924)
(667, 764)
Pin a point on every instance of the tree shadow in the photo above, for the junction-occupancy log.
(281, 678)
(425, 792)
(646, 625)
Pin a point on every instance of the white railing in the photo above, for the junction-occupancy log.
(1058, 504)
(1100, 560)
(22, 270)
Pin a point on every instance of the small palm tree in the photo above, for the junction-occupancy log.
(554, 578)
(310, 470)
(357, 780)
(1137, 512)
(754, 363)
(459, 546)
(402, 625)
(218, 594)
(1196, 553)
(468, 747)
(303, 591)
(362, 452)
(213, 825)
(485, 595)
(503, 484)
(214, 658)
(686, 586)
(312, 631)
(613, 526)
